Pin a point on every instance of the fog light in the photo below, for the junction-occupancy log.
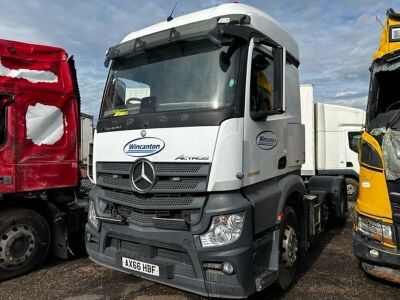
(227, 268)
(374, 253)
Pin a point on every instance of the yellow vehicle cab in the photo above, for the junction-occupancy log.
(376, 239)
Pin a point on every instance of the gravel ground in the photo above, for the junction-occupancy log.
(330, 271)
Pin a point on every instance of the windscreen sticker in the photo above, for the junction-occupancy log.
(145, 146)
(266, 140)
(34, 76)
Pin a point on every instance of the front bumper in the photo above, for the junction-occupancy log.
(175, 252)
(385, 265)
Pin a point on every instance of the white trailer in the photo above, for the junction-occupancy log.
(332, 133)
(86, 139)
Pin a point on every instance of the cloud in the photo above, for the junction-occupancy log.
(336, 38)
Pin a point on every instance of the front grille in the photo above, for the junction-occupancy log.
(170, 177)
(185, 184)
(166, 219)
(112, 180)
(156, 201)
(145, 201)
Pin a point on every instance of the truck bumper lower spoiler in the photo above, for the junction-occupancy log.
(385, 263)
(189, 276)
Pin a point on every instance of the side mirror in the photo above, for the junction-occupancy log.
(259, 115)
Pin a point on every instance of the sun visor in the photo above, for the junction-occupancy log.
(388, 66)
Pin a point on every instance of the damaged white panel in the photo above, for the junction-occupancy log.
(391, 154)
(34, 76)
(44, 124)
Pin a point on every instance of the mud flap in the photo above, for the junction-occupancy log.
(59, 232)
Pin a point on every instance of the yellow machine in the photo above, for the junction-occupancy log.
(376, 239)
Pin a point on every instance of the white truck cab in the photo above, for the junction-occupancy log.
(197, 156)
(332, 134)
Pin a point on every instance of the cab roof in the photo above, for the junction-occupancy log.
(387, 45)
(259, 20)
(26, 51)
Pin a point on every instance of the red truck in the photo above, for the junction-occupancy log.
(39, 157)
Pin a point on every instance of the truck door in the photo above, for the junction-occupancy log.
(347, 147)
(263, 137)
(7, 143)
(268, 151)
(273, 136)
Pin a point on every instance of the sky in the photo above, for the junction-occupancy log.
(336, 38)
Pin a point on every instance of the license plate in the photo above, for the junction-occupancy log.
(140, 266)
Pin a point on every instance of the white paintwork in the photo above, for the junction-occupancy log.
(86, 137)
(189, 141)
(327, 129)
(34, 76)
(259, 20)
(231, 147)
(44, 124)
(228, 157)
(334, 122)
(307, 118)
(260, 164)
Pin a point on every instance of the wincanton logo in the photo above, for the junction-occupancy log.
(145, 146)
(266, 140)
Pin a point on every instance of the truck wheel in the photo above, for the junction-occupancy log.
(352, 189)
(24, 241)
(288, 248)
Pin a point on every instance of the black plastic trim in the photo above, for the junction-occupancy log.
(335, 172)
(167, 120)
(390, 34)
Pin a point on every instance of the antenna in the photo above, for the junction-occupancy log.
(170, 18)
(377, 18)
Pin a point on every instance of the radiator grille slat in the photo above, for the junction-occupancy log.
(170, 177)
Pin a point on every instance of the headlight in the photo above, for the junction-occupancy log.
(92, 218)
(223, 230)
(375, 229)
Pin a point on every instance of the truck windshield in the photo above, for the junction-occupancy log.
(188, 75)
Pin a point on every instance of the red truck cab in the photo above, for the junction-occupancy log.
(39, 155)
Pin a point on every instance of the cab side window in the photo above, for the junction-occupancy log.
(265, 87)
(262, 82)
(354, 137)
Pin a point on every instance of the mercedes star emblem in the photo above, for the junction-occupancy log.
(143, 176)
(143, 133)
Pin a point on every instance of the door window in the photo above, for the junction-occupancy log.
(354, 137)
(265, 93)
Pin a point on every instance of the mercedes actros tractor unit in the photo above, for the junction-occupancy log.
(376, 239)
(197, 157)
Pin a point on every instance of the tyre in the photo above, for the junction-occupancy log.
(288, 248)
(24, 241)
(352, 189)
(341, 214)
